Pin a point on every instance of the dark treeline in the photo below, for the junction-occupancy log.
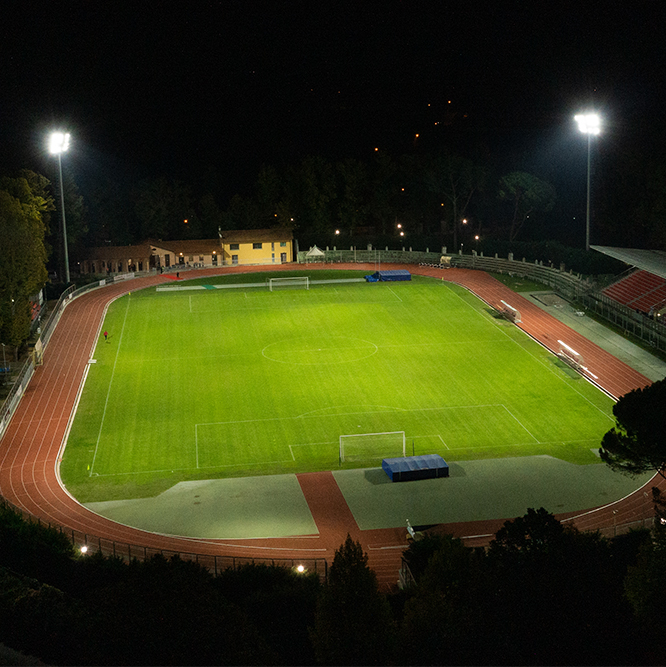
(542, 593)
(505, 190)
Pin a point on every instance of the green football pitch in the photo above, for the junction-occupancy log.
(197, 381)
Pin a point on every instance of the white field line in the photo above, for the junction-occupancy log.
(521, 424)
(317, 414)
(108, 393)
(395, 295)
(549, 367)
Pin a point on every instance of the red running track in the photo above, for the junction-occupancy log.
(31, 449)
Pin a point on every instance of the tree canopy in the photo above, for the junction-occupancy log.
(24, 210)
(637, 442)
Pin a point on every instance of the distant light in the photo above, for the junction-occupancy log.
(417, 136)
(464, 220)
(399, 226)
(589, 123)
(185, 221)
(376, 149)
(300, 569)
(58, 142)
(84, 549)
(337, 231)
(476, 237)
(402, 233)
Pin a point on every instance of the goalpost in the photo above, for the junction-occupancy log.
(364, 446)
(290, 282)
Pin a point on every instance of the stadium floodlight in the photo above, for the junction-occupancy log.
(590, 124)
(58, 144)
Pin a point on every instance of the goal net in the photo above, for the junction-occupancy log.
(370, 446)
(289, 283)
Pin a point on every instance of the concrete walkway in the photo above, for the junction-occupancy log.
(632, 355)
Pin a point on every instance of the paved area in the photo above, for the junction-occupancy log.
(632, 355)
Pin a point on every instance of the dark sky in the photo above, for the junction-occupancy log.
(175, 88)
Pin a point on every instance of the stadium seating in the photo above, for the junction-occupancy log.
(639, 290)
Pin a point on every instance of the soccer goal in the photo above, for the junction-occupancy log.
(369, 446)
(293, 282)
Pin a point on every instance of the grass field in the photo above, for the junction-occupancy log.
(208, 383)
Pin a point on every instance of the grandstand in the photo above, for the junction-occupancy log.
(644, 288)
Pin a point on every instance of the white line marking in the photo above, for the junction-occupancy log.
(395, 295)
(522, 425)
(108, 393)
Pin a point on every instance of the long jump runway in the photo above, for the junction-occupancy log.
(31, 449)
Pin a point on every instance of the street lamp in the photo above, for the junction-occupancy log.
(589, 124)
(58, 144)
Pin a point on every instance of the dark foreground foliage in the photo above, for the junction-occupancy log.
(542, 593)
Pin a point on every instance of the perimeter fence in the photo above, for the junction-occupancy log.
(21, 377)
(86, 543)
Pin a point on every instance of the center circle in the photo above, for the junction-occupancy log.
(319, 350)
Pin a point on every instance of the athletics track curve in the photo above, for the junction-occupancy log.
(31, 448)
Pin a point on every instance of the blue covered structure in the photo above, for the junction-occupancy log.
(389, 276)
(407, 468)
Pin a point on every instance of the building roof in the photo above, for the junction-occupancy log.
(652, 261)
(190, 246)
(123, 252)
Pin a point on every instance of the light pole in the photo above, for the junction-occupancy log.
(589, 124)
(58, 144)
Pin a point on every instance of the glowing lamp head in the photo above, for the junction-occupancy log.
(58, 143)
(588, 123)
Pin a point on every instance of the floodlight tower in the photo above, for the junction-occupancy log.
(58, 144)
(590, 124)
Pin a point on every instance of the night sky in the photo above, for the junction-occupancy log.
(152, 88)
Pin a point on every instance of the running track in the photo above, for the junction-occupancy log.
(31, 448)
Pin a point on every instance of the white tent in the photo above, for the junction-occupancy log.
(315, 255)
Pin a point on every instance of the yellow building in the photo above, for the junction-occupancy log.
(246, 247)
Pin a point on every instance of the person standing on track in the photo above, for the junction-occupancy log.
(106, 336)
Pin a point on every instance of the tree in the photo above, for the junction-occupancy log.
(353, 623)
(352, 199)
(23, 211)
(455, 179)
(444, 620)
(637, 442)
(548, 582)
(528, 195)
(162, 206)
(644, 586)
